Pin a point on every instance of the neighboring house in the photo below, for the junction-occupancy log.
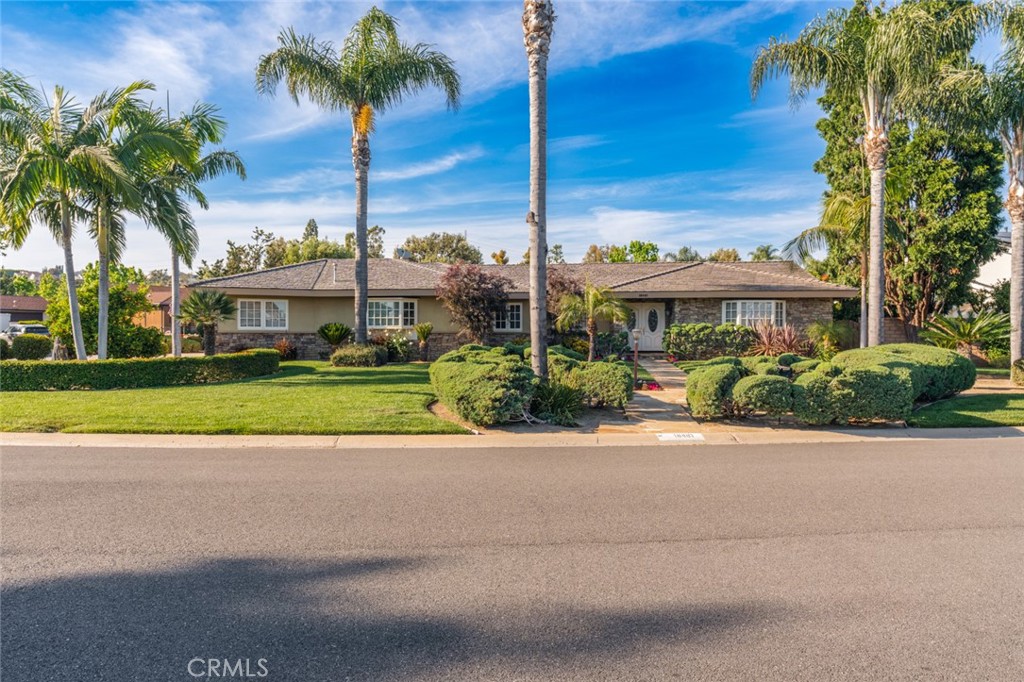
(294, 300)
(160, 317)
(20, 308)
(999, 267)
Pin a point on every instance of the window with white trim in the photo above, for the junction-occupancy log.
(753, 313)
(510, 319)
(390, 314)
(262, 314)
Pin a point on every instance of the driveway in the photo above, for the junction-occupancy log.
(863, 561)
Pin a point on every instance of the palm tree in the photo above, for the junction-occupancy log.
(53, 159)
(371, 72)
(596, 303)
(764, 252)
(538, 22)
(885, 60)
(171, 182)
(207, 308)
(991, 101)
(138, 139)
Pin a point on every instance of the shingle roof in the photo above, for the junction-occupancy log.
(25, 304)
(387, 274)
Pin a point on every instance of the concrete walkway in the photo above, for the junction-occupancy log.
(661, 411)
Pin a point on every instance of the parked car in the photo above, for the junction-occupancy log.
(17, 329)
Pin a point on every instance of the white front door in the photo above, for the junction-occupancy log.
(649, 318)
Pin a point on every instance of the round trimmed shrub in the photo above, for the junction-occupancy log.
(769, 394)
(752, 362)
(870, 393)
(935, 372)
(725, 360)
(5, 349)
(360, 356)
(708, 389)
(602, 383)
(787, 359)
(31, 346)
(485, 387)
(804, 366)
(813, 399)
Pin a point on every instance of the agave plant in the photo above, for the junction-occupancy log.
(966, 335)
(334, 333)
(771, 340)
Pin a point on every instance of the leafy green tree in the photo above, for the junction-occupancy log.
(617, 254)
(127, 298)
(442, 247)
(17, 285)
(372, 71)
(555, 255)
(312, 230)
(724, 256)
(158, 277)
(886, 60)
(594, 254)
(374, 242)
(642, 252)
(595, 303)
(765, 252)
(207, 308)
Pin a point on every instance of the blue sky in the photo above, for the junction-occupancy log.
(653, 134)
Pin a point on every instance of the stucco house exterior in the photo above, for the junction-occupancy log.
(294, 300)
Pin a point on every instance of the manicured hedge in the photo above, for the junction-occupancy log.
(871, 393)
(804, 366)
(65, 375)
(771, 395)
(5, 349)
(602, 383)
(813, 399)
(31, 346)
(367, 355)
(709, 389)
(935, 372)
(485, 387)
(701, 341)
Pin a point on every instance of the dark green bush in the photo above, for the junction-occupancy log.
(787, 359)
(701, 341)
(554, 350)
(725, 360)
(935, 372)
(557, 403)
(804, 366)
(769, 394)
(191, 344)
(64, 375)
(1017, 372)
(31, 346)
(870, 393)
(559, 367)
(483, 386)
(5, 349)
(813, 401)
(136, 342)
(708, 389)
(602, 383)
(768, 368)
(752, 362)
(360, 356)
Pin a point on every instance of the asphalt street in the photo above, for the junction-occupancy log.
(863, 561)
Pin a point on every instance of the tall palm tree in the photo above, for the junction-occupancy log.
(207, 308)
(538, 23)
(764, 252)
(372, 71)
(54, 159)
(137, 138)
(596, 303)
(885, 60)
(992, 101)
(172, 182)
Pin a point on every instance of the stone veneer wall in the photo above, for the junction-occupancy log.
(800, 312)
(309, 346)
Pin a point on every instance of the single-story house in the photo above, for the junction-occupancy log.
(294, 300)
(160, 317)
(20, 308)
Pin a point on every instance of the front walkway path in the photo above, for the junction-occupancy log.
(661, 411)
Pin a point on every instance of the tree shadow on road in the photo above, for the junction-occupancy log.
(316, 621)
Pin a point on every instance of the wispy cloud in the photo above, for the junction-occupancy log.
(433, 167)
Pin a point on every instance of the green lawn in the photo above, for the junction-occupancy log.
(304, 398)
(991, 409)
(993, 372)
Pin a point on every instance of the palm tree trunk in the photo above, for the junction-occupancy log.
(876, 149)
(175, 304)
(1015, 207)
(361, 164)
(591, 337)
(538, 20)
(863, 299)
(103, 323)
(69, 273)
(209, 339)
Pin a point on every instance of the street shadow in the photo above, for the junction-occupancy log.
(312, 621)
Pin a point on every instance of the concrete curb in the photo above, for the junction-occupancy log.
(540, 440)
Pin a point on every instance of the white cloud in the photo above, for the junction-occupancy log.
(439, 165)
